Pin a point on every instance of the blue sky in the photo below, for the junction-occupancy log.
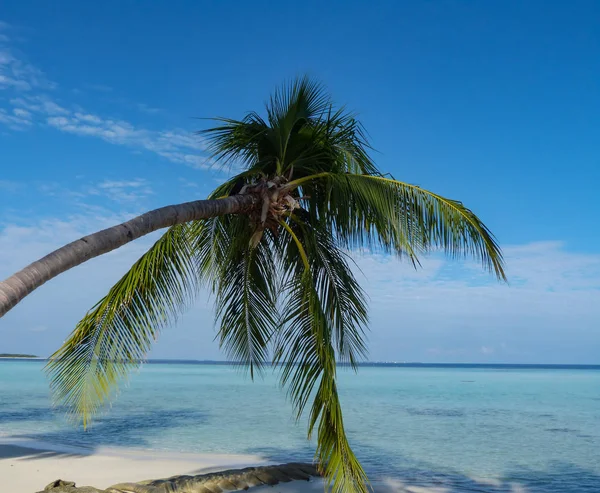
(493, 103)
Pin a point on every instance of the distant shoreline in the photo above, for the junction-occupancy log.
(378, 364)
(18, 356)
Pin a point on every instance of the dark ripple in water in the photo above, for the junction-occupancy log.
(118, 429)
(25, 414)
(561, 430)
(494, 412)
(445, 413)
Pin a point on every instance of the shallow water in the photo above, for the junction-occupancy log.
(466, 429)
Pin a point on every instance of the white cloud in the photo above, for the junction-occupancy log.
(14, 121)
(174, 145)
(124, 191)
(188, 183)
(121, 191)
(25, 103)
(137, 183)
(29, 105)
(22, 113)
(7, 82)
(15, 72)
(144, 108)
(52, 108)
(448, 311)
(38, 103)
(58, 121)
(540, 266)
(88, 118)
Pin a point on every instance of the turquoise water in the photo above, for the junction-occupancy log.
(467, 429)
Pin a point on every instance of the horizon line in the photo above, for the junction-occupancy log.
(341, 363)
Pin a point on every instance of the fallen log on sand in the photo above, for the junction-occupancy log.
(218, 482)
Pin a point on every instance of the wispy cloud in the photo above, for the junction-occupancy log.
(188, 183)
(130, 192)
(452, 312)
(125, 191)
(174, 145)
(22, 113)
(16, 120)
(15, 72)
(144, 108)
(88, 118)
(39, 104)
(29, 104)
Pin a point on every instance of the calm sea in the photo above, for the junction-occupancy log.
(466, 428)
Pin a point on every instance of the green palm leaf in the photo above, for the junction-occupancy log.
(246, 301)
(399, 218)
(307, 355)
(115, 335)
(343, 299)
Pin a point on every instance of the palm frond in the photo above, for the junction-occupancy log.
(324, 308)
(246, 305)
(399, 218)
(307, 356)
(246, 141)
(335, 143)
(302, 134)
(115, 335)
(344, 301)
(302, 99)
(244, 281)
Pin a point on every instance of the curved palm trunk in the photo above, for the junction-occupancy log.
(19, 285)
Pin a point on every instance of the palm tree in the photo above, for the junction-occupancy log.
(271, 243)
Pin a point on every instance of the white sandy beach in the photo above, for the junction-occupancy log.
(27, 467)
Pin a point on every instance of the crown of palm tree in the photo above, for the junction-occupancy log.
(284, 289)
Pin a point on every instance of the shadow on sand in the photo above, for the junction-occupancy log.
(9, 451)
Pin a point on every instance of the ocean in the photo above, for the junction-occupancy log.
(461, 428)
